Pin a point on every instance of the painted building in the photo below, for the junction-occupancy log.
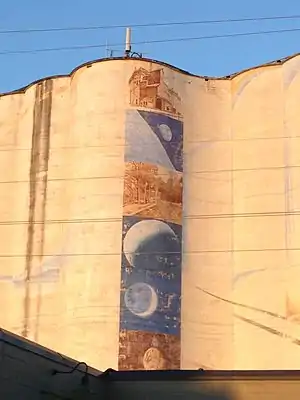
(149, 217)
(149, 89)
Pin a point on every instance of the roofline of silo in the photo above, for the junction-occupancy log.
(164, 64)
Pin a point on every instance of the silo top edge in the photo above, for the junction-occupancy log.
(164, 64)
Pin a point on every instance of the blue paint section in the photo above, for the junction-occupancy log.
(150, 298)
(151, 279)
(154, 138)
(169, 131)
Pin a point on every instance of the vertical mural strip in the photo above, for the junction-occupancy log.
(152, 227)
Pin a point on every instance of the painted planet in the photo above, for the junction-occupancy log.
(153, 359)
(166, 132)
(141, 299)
(151, 244)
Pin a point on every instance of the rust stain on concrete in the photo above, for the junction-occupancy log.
(37, 190)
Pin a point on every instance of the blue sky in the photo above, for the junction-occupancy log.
(215, 57)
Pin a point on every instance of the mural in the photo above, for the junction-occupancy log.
(150, 351)
(151, 275)
(152, 191)
(150, 298)
(154, 139)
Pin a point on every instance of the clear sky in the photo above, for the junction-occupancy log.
(215, 57)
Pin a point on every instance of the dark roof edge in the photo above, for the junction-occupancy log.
(164, 64)
(199, 375)
(26, 345)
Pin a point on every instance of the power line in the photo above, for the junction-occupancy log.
(182, 253)
(149, 25)
(201, 174)
(182, 39)
(124, 145)
(189, 172)
(184, 218)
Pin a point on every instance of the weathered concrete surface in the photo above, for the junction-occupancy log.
(61, 198)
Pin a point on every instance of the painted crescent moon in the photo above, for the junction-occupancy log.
(141, 299)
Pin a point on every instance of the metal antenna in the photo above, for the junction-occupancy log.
(106, 49)
(128, 42)
(109, 53)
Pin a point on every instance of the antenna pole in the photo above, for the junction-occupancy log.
(106, 49)
(128, 42)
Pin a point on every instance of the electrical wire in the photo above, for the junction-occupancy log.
(187, 217)
(183, 253)
(182, 39)
(149, 25)
(147, 42)
(189, 173)
(203, 143)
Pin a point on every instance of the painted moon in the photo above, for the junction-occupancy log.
(141, 299)
(166, 132)
(153, 359)
(151, 242)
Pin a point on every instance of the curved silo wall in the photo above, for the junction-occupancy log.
(207, 324)
(62, 166)
(94, 153)
(92, 256)
(244, 274)
(266, 230)
(149, 217)
(259, 218)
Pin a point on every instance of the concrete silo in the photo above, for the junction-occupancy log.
(91, 205)
(241, 206)
(149, 217)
